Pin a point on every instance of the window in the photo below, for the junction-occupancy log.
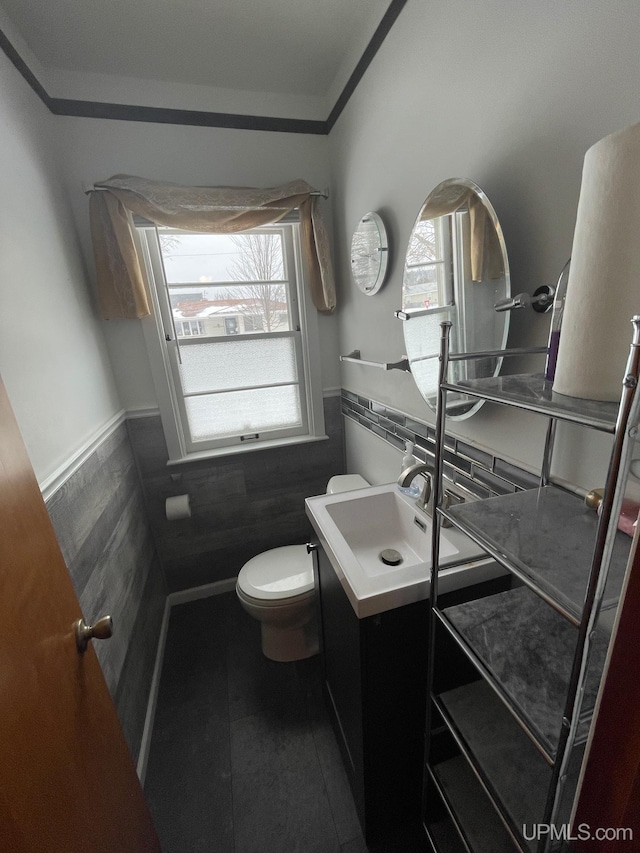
(428, 274)
(437, 286)
(233, 340)
(187, 328)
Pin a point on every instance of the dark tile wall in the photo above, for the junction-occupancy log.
(101, 524)
(241, 504)
(482, 474)
(132, 692)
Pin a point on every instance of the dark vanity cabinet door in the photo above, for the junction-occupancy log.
(375, 685)
(341, 669)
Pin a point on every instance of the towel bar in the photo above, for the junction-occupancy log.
(355, 357)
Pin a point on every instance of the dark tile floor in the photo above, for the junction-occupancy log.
(243, 758)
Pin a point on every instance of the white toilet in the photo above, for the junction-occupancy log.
(277, 588)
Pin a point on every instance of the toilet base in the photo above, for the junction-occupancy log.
(290, 644)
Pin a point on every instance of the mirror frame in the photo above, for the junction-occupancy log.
(442, 187)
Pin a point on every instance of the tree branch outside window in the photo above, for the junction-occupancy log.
(260, 260)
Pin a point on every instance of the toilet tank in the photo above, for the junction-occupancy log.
(346, 483)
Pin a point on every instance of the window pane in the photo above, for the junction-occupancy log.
(237, 364)
(202, 258)
(233, 310)
(422, 285)
(423, 341)
(425, 243)
(242, 412)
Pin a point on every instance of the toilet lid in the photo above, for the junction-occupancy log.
(277, 574)
(345, 483)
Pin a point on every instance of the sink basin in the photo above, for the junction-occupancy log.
(355, 527)
(374, 523)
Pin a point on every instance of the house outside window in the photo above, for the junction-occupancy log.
(189, 328)
(233, 341)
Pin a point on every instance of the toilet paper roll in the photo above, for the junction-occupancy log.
(603, 290)
(178, 507)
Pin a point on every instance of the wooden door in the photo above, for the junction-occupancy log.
(67, 781)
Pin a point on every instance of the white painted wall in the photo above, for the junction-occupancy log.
(510, 95)
(93, 149)
(53, 357)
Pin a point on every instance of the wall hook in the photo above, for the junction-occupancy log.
(541, 301)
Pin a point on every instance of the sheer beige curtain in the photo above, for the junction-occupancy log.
(225, 210)
(486, 255)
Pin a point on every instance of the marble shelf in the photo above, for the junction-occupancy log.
(546, 537)
(533, 393)
(474, 817)
(526, 649)
(513, 770)
(443, 836)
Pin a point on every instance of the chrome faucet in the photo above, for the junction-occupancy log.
(407, 476)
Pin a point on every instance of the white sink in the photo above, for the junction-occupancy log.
(371, 524)
(355, 527)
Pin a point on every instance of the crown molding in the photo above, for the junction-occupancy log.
(389, 19)
(194, 118)
(202, 118)
(23, 68)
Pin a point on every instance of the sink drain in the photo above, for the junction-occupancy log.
(391, 557)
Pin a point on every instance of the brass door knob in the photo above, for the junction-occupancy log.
(102, 630)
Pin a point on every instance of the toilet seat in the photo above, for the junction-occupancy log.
(274, 604)
(278, 575)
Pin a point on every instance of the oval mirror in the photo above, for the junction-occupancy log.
(369, 254)
(456, 269)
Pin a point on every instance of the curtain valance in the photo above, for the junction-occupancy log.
(225, 210)
(485, 251)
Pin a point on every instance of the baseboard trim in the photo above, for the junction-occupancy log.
(204, 591)
(143, 755)
(181, 597)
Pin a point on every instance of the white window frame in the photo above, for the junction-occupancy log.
(163, 351)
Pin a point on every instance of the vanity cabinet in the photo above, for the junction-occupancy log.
(375, 684)
(505, 742)
(374, 679)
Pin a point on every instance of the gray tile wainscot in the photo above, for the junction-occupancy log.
(101, 524)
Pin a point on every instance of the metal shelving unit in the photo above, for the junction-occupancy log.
(570, 565)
